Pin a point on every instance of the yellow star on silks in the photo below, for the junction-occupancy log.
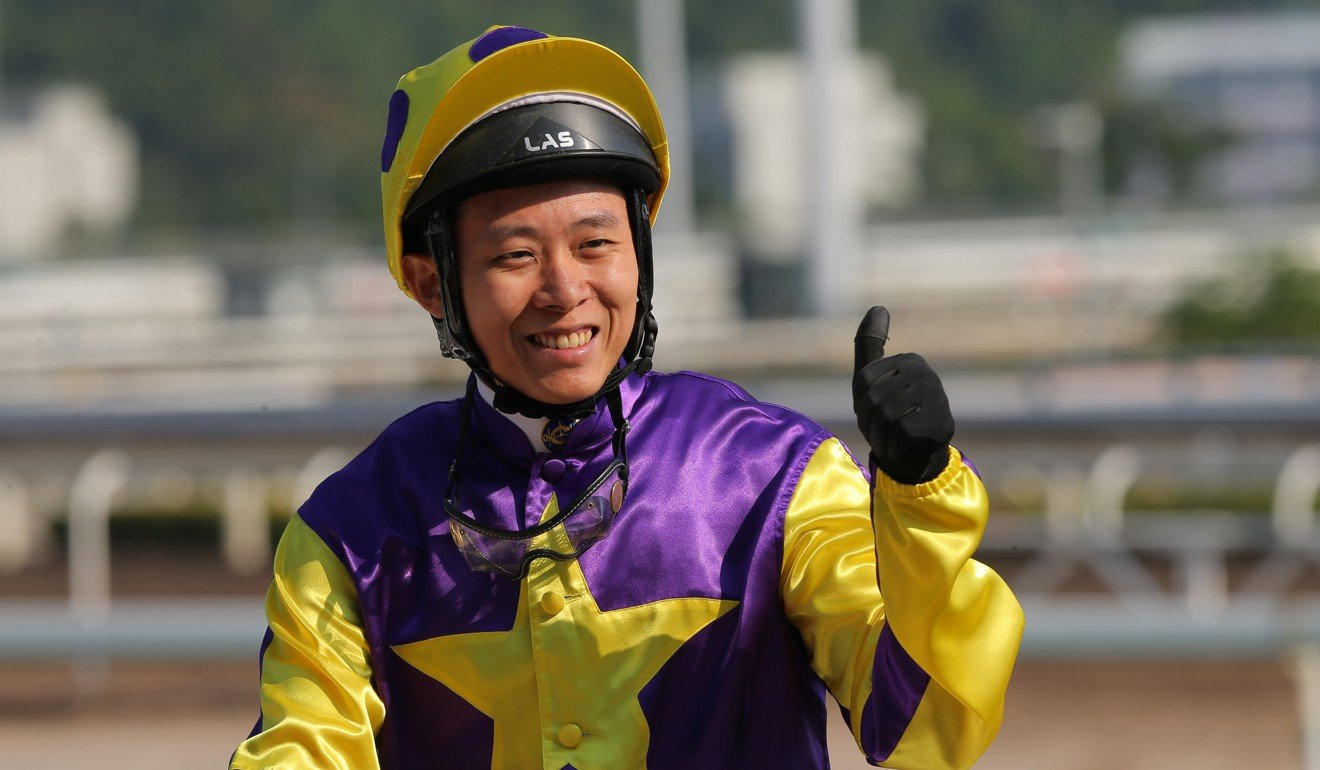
(565, 664)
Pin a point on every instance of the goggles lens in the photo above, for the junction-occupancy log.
(564, 536)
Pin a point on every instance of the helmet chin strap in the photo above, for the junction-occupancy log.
(513, 401)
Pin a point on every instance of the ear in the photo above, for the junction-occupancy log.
(423, 282)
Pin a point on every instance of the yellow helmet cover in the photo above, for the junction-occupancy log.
(435, 103)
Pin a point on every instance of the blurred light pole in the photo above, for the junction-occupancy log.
(2, 54)
(829, 42)
(662, 40)
(1075, 130)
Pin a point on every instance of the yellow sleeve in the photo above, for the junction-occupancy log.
(921, 670)
(318, 707)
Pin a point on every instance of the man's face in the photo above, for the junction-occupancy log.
(549, 280)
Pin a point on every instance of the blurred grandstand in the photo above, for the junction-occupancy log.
(1148, 507)
(162, 412)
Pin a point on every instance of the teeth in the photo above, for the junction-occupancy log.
(564, 341)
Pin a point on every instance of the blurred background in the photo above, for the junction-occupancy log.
(1099, 220)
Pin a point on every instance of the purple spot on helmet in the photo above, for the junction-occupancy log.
(500, 38)
(394, 129)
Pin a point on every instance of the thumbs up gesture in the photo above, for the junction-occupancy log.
(900, 404)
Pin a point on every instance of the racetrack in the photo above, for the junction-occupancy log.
(1061, 716)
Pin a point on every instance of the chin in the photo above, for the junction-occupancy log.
(568, 390)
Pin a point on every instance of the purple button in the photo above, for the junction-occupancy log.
(553, 470)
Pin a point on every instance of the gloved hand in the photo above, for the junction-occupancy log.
(900, 404)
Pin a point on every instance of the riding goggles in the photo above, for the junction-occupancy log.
(565, 535)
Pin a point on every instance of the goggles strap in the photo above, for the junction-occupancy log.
(464, 418)
(621, 428)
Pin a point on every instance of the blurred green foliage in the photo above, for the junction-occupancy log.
(1138, 133)
(259, 114)
(1272, 298)
(269, 114)
(195, 528)
(191, 527)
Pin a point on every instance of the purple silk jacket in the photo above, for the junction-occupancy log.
(737, 586)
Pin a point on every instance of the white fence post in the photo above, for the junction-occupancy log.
(325, 462)
(1107, 487)
(246, 522)
(1306, 673)
(1295, 491)
(18, 535)
(90, 499)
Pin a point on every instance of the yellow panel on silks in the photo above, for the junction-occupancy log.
(318, 707)
(562, 686)
(738, 581)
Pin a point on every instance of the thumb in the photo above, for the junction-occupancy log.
(869, 344)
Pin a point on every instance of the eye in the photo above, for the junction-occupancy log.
(515, 257)
(596, 243)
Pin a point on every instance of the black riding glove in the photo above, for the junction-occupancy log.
(901, 406)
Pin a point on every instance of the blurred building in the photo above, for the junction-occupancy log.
(1256, 77)
(65, 162)
(767, 94)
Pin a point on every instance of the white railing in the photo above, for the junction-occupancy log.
(1085, 527)
(90, 626)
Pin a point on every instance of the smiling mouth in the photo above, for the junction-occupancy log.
(564, 341)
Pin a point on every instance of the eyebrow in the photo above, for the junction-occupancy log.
(598, 219)
(500, 233)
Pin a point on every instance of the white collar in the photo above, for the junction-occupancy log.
(530, 426)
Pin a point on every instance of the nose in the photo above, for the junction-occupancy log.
(564, 283)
